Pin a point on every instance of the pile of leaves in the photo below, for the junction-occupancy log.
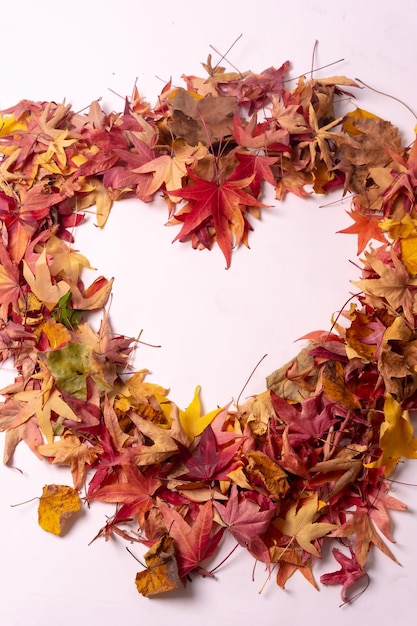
(305, 461)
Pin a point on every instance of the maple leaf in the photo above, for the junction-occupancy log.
(165, 441)
(395, 436)
(134, 490)
(322, 136)
(393, 285)
(260, 135)
(94, 297)
(366, 227)
(22, 218)
(380, 502)
(256, 166)
(310, 421)
(300, 526)
(290, 560)
(191, 419)
(209, 461)
(219, 203)
(41, 283)
(376, 337)
(10, 289)
(348, 574)
(195, 543)
(69, 450)
(170, 169)
(247, 522)
(28, 432)
(66, 261)
(200, 120)
(44, 403)
(360, 524)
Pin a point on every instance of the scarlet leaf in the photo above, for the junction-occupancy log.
(220, 204)
(247, 522)
(208, 461)
(193, 543)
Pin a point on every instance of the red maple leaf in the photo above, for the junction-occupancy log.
(134, 491)
(193, 543)
(221, 204)
(209, 461)
(23, 219)
(247, 522)
(348, 574)
(257, 166)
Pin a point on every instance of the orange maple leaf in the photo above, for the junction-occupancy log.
(366, 227)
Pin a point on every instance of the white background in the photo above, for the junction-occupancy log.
(213, 325)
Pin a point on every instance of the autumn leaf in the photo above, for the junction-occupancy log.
(57, 505)
(94, 297)
(69, 450)
(247, 522)
(170, 169)
(161, 574)
(348, 575)
(71, 365)
(41, 283)
(396, 436)
(361, 526)
(200, 120)
(208, 461)
(366, 227)
(195, 543)
(10, 289)
(191, 419)
(393, 285)
(134, 490)
(265, 469)
(299, 523)
(219, 204)
(319, 145)
(341, 470)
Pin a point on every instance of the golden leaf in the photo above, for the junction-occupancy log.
(57, 505)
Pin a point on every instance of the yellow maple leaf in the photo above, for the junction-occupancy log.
(191, 419)
(395, 436)
(57, 505)
(299, 523)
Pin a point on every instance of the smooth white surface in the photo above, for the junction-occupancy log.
(213, 325)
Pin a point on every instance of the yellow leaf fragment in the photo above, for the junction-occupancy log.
(57, 505)
(395, 436)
